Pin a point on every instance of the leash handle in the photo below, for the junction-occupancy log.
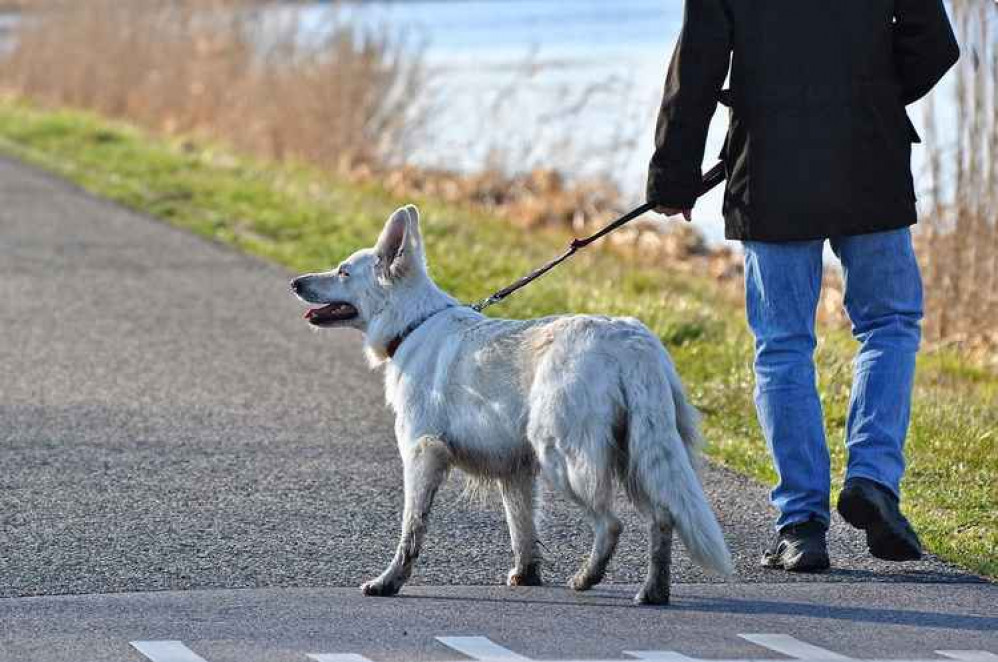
(710, 179)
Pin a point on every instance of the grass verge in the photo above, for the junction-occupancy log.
(306, 220)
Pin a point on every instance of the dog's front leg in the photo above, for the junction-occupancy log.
(424, 468)
(518, 499)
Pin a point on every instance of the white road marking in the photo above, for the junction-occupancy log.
(970, 656)
(481, 648)
(166, 651)
(659, 656)
(784, 643)
(822, 659)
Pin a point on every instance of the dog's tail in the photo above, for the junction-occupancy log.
(662, 467)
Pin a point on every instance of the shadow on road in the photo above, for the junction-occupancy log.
(747, 606)
(922, 619)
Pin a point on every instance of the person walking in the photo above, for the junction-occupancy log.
(818, 148)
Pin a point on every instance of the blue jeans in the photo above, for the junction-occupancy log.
(883, 296)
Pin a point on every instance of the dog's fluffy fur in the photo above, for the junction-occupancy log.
(585, 401)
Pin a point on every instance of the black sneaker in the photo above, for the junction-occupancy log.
(798, 548)
(869, 506)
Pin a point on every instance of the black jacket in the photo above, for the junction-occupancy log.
(818, 143)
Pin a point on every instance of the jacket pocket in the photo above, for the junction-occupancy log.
(885, 157)
(735, 156)
(725, 98)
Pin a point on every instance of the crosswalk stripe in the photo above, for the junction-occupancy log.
(481, 648)
(659, 656)
(784, 643)
(166, 651)
(484, 649)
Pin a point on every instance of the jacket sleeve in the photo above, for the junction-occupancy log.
(696, 73)
(924, 46)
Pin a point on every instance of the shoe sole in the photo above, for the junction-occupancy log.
(798, 564)
(883, 541)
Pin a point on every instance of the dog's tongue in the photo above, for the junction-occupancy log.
(337, 311)
(312, 312)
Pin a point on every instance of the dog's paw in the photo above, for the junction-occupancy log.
(529, 577)
(652, 596)
(582, 582)
(380, 588)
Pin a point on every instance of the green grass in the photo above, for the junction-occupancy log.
(306, 220)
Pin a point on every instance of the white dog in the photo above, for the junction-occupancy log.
(587, 401)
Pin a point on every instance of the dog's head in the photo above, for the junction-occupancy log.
(363, 286)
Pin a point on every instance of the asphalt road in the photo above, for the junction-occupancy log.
(857, 620)
(168, 423)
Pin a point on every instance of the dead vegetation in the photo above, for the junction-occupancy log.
(958, 241)
(224, 69)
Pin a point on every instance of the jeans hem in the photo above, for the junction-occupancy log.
(800, 519)
(876, 479)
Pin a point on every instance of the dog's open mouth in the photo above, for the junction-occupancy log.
(332, 313)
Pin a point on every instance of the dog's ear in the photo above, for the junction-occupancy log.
(399, 247)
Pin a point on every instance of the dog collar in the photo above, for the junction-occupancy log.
(396, 342)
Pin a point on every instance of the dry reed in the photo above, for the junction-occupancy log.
(227, 69)
(958, 238)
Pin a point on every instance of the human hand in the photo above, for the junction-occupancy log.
(672, 211)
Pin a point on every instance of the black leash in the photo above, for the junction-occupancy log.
(710, 179)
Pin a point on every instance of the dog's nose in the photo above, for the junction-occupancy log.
(296, 286)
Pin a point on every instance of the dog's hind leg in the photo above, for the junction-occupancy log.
(656, 588)
(425, 468)
(597, 500)
(518, 500)
(587, 481)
